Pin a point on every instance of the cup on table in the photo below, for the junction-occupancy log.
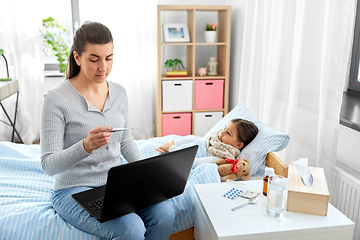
(276, 194)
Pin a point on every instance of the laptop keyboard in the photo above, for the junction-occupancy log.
(96, 205)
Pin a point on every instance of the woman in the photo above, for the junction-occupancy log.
(77, 147)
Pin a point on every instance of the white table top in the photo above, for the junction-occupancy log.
(7, 88)
(253, 220)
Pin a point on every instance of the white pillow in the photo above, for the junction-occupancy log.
(267, 140)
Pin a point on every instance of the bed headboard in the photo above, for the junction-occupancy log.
(277, 164)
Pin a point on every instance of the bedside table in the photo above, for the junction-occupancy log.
(214, 219)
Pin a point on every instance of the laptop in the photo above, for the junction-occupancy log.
(136, 185)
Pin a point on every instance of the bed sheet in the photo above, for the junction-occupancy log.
(25, 190)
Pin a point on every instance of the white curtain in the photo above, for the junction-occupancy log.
(133, 26)
(294, 62)
(21, 39)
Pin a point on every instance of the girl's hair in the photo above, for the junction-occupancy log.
(88, 32)
(247, 130)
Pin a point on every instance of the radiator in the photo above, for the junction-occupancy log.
(346, 197)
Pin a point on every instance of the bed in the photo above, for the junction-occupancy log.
(25, 190)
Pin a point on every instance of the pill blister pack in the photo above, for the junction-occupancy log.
(234, 193)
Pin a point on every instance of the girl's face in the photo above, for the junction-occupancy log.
(229, 135)
(96, 62)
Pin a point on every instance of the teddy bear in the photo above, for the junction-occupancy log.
(231, 169)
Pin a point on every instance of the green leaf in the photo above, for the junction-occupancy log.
(55, 42)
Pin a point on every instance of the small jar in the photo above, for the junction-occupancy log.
(269, 173)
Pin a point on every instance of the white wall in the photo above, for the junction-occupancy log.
(348, 149)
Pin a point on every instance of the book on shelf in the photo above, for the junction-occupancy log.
(176, 74)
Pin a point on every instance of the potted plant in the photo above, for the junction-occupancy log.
(211, 32)
(7, 68)
(174, 64)
(54, 42)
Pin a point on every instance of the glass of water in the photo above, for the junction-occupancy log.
(275, 204)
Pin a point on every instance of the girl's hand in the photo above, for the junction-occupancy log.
(97, 138)
(165, 147)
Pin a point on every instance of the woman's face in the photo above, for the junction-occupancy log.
(96, 62)
(229, 135)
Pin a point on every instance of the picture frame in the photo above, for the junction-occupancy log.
(176, 32)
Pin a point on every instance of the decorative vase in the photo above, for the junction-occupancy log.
(210, 36)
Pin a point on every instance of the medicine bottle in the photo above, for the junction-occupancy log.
(269, 173)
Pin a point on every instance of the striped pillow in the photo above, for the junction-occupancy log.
(267, 140)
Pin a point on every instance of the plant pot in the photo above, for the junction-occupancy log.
(210, 36)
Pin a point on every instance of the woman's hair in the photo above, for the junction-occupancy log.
(88, 32)
(247, 130)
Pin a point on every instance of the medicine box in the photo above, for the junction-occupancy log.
(312, 199)
(209, 94)
(176, 123)
(177, 95)
(204, 121)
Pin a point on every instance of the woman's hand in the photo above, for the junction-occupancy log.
(97, 138)
(165, 147)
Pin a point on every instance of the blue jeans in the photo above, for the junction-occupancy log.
(153, 222)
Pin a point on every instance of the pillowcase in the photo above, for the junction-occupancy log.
(267, 140)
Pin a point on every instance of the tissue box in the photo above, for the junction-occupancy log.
(313, 199)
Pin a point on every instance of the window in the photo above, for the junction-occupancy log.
(65, 14)
(354, 80)
(349, 115)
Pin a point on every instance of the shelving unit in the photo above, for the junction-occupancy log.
(193, 53)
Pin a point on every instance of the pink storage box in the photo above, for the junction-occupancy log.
(209, 94)
(176, 123)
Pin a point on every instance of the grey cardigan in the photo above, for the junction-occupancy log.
(66, 120)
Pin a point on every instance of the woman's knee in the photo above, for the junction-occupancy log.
(136, 232)
(126, 227)
(168, 210)
(164, 212)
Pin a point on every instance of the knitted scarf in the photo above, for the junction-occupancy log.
(220, 149)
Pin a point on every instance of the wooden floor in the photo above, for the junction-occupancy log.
(188, 234)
